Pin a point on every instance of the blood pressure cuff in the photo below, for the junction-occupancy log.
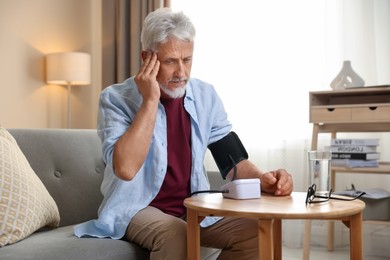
(228, 152)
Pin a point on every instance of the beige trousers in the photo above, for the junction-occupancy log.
(166, 236)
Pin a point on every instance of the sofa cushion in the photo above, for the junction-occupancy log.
(69, 164)
(61, 244)
(25, 204)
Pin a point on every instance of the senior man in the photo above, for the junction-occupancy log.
(155, 129)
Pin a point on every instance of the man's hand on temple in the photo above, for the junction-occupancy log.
(146, 77)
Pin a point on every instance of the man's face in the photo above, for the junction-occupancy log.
(175, 67)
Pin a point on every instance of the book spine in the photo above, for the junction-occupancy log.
(354, 163)
(359, 156)
(368, 142)
(351, 148)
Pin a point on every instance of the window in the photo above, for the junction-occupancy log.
(263, 57)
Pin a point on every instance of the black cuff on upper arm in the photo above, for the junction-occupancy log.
(228, 152)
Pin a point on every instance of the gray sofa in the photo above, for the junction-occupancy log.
(69, 164)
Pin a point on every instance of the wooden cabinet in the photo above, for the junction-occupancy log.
(365, 109)
(359, 105)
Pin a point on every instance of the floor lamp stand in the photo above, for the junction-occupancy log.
(69, 105)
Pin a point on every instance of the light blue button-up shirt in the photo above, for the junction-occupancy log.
(118, 107)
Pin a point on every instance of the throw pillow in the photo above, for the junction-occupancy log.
(25, 204)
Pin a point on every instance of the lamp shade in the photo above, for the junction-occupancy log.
(65, 68)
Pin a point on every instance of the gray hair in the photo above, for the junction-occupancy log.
(163, 24)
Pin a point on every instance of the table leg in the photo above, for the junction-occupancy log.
(266, 248)
(330, 241)
(306, 240)
(193, 235)
(356, 237)
(277, 233)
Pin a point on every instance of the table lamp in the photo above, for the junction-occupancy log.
(69, 69)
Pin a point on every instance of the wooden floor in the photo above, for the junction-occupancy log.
(320, 253)
(376, 241)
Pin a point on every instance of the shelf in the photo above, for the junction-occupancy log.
(365, 109)
(366, 95)
(383, 168)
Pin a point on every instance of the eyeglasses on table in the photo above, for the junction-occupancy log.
(312, 197)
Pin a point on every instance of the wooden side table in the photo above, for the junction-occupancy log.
(270, 211)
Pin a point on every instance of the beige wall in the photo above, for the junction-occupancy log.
(29, 29)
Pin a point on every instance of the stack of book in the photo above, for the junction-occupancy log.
(354, 152)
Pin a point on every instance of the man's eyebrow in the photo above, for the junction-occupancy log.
(174, 58)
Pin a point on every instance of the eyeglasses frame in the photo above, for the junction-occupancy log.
(311, 195)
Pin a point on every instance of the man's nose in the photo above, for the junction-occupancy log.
(180, 69)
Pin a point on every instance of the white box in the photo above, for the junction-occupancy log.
(242, 189)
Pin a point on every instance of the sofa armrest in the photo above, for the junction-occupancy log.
(216, 180)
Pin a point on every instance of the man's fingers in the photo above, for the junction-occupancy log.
(269, 178)
(285, 183)
(151, 63)
(145, 63)
(278, 182)
(148, 64)
(156, 67)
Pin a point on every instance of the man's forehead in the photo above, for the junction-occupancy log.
(174, 55)
(175, 45)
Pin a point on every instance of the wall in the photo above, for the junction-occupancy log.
(30, 29)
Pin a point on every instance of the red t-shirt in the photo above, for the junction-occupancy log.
(176, 185)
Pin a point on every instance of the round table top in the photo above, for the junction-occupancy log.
(273, 207)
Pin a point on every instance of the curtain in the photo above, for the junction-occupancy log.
(122, 24)
(263, 58)
(358, 30)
